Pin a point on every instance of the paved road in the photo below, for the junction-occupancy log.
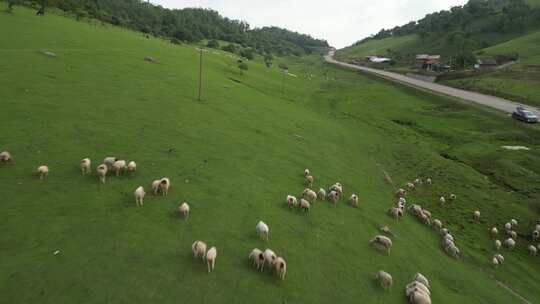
(500, 104)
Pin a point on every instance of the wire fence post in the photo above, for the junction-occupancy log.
(200, 73)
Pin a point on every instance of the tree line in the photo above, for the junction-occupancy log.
(188, 25)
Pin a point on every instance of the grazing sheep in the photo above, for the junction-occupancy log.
(453, 197)
(306, 172)
(532, 250)
(509, 243)
(444, 231)
(400, 192)
(119, 166)
(269, 258)
(109, 161)
(411, 186)
(86, 166)
(396, 213)
(437, 224)
(402, 200)
(494, 231)
(184, 209)
(262, 230)
(514, 223)
(155, 186)
(499, 258)
(512, 234)
(384, 279)
(199, 249)
(416, 209)
(5, 157)
(426, 213)
(498, 244)
(139, 195)
(386, 230)
(310, 195)
(422, 279)
(508, 226)
(102, 172)
(415, 285)
(321, 194)
(257, 258)
(304, 205)
(43, 171)
(132, 167)
(418, 181)
(164, 185)
(280, 267)
(381, 242)
(495, 262)
(447, 242)
(337, 187)
(419, 297)
(211, 256)
(429, 181)
(333, 196)
(535, 235)
(537, 227)
(309, 180)
(353, 200)
(442, 200)
(291, 201)
(476, 215)
(452, 250)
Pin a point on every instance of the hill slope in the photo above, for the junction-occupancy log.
(235, 156)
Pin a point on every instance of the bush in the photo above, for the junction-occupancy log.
(231, 48)
(176, 41)
(213, 44)
(248, 53)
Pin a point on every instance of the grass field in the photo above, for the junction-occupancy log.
(376, 47)
(234, 157)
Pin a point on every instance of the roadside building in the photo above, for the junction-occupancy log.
(427, 62)
(486, 64)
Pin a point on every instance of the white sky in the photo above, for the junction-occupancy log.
(341, 22)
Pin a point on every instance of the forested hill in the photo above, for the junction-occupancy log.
(475, 25)
(190, 25)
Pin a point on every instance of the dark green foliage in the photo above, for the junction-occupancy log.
(191, 25)
(243, 67)
(231, 48)
(268, 60)
(213, 44)
(248, 53)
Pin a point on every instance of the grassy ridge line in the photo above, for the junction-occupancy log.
(240, 156)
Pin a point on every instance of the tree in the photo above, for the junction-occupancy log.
(248, 53)
(268, 59)
(243, 67)
(213, 44)
(231, 48)
(10, 4)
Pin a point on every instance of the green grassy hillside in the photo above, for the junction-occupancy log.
(377, 47)
(234, 157)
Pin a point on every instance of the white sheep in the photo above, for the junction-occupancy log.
(437, 224)
(155, 186)
(280, 267)
(211, 256)
(429, 181)
(384, 279)
(453, 197)
(418, 296)
(494, 231)
(411, 186)
(292, 201)
(512, 234)
(444, 231)
(381, 242)
(184, 209)
(532, 250)
(442, 200)
(535, 235)
(139, 195)
(499, 258)
(132, 167)
(321, 194)
(109, 161)
(452, 250)
(102, 172)
(337, 187)
(396, 213)
(422, 279)
(262, 230)
(495, 262)
(508, 226)
(86, 166)
(333, 196)
(476, 215)
(164, 185)
(119, 166)
(416, 286)
(310, 195)
(43, 171)
(537, 227)
(353, 200)
(514, 223)
(400, 192)
(418, 181)
(498, 244)
(257, 258)
(304, 205)
(269, 258)
(309, 180)
(509, 243)
(199, 249)
(306, 172)
(5, 157)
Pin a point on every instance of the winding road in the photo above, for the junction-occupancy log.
(497, 103)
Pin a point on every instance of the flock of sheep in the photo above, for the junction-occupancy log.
(417, 291)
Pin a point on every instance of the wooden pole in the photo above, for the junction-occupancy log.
(200, 74)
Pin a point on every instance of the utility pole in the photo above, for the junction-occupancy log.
(200, 74)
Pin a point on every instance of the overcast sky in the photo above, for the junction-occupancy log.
(341, 22)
